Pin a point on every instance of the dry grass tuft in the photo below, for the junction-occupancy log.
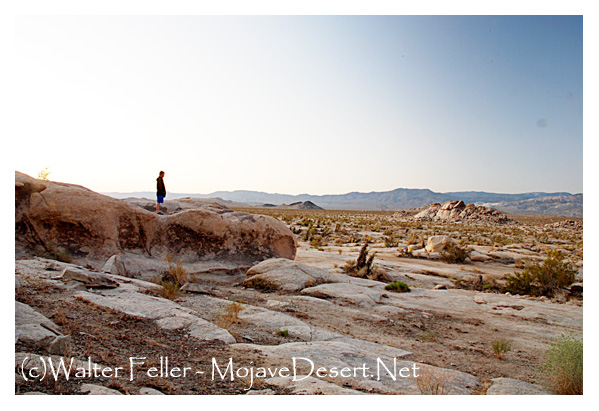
(433, 381)
(228, 318)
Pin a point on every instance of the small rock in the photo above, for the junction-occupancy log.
(61, 345)
(267, 391)
(115, 266)
(88, 278)
(149, 391)
(93, 389)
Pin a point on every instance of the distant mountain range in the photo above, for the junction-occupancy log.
(565, 204)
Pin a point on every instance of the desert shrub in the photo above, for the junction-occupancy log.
(172, 279)
(520, 283)
(310, 232)
(316, 241)
(363, 266)
(390, 241)
(501, 347)
(398, 286)
(169, 290)
(175, 273)
(228, 317)
(433, 381)
(454, 254)
(554, 273)
(543, 279)
(563, 366)
(261, 284)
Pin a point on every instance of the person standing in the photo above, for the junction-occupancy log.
(160, 191)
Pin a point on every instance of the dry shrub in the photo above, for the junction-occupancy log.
(455, 254)
(261, 284)
(169, 290)
(433, 381)
(228, 318)
(172, 279)
(563, 366)
(364, 266)
(176, 273)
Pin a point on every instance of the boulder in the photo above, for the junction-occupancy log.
(88, 228)
(286, 275)
(437, 243)
(115, 266)
(290, 276)
(33, 327)
(347, 293)
(90, 279)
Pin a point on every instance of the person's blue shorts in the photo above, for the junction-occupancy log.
(160, 199)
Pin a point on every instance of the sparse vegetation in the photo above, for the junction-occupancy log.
(501, 347)
(433, 381)
(455, 254)
(228, 318)
(545, 278)
(363, 266)
(172, 279)
(398, 286)
(563, 366)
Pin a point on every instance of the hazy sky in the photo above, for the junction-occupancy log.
(302, 104)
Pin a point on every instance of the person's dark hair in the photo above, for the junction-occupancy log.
(161, 174)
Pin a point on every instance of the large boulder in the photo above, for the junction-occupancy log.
(91, 228)
(437, 243)
(286, 275)
(290, 276)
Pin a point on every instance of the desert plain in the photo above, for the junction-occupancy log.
(282, 291)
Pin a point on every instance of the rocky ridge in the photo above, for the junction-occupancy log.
(459, 212)
(89, 228)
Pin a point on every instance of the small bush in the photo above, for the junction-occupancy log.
(454, 254)
(543, 279)
(172, 279)
(563, 366)
(390, 241)
(501, 347)
(228, 317)
(398, 286)
(169, 290)
(261, 284)
(175, 273)
(363, 266)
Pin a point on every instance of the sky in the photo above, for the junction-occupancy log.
(318, 104)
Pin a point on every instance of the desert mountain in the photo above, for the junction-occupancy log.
(566, 204)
